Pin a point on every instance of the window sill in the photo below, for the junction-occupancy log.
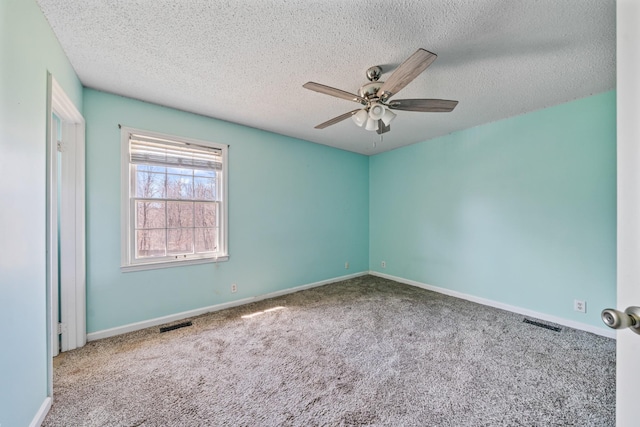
(169, 264)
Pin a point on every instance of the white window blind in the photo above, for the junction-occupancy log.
(156, 151)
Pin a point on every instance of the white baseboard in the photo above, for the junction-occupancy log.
(197, 312)
(42, 413)
(484, 301)
(526, 312)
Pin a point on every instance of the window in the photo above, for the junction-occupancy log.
(173, 201)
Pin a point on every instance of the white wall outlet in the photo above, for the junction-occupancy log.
(234, 288)
(383, 264)
(346, 265)
(579, 305)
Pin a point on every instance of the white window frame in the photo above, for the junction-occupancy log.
(128, 261)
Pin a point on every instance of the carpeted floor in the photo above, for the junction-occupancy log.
(366, 351)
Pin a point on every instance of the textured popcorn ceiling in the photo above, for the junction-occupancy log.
(245, 61)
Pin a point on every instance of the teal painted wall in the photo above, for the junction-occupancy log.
(28, 49)
(297, 212)
(520, 211)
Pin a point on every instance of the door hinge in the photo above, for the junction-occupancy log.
(59, 146)
(61, 328)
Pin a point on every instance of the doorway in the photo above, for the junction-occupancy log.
(66, 271)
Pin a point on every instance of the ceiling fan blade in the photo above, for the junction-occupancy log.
(336, 119)
(328, 90)
(424, 105)
(406, 72)
(382, 128)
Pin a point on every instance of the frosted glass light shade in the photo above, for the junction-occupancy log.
(372, 124)
(388, 116)
(376, 111)
(360, 118)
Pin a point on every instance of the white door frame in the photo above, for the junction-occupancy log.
(628, 188)
(72, 225)
(52, 240)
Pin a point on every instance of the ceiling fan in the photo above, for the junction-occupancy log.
(376, 114)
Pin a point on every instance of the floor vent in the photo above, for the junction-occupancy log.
(176, 326)
(542, 325)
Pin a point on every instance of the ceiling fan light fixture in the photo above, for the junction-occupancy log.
(376, 111)
(388, 117)
(360, 118)
(372, 124)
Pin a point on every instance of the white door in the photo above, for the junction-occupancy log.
(628, 138)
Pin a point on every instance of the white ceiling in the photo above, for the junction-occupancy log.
(245, 61)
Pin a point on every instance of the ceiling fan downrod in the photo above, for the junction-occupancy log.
(374, 73)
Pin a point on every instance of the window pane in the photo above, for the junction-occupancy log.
(206, 214)
(179, 214)
(151, 168)
(150, 185)
(179, 187)
(205, 188)
(207, 173)
(180, 171)
(175, 193)
(150, 243)
(180, 241)
(150, 214)
(206, 239)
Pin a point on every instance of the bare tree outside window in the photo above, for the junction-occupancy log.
(176, 211)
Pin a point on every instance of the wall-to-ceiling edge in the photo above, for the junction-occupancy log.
(519, 213)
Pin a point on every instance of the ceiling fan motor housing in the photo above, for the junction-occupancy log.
(369, 90)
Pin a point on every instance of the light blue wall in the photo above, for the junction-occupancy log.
(520, 211)
(297, 212)
(28, 49)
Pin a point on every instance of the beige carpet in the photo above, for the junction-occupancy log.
(366, 351)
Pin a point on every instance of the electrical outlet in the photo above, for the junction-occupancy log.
(579, 305)
(383, 264)
(234, 288)
(346, 265)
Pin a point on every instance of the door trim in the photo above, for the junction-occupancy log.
(72, 227)
(628, 204)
